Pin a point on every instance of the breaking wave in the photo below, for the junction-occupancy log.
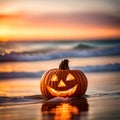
(39, 56)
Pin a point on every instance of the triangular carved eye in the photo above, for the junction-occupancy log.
(54, 77)
(70, 77)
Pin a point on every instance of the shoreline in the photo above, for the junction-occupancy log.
(96, 108)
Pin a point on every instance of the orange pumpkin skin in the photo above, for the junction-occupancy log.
(63, 87)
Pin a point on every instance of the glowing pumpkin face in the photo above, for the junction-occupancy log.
(63, 83)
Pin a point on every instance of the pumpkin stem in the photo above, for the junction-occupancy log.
(64, 65)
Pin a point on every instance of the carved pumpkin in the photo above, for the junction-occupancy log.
(63, 82)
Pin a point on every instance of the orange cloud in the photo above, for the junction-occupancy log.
(25, 23)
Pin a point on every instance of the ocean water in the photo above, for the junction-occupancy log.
(39, 51)
(18, 59)
(23, 63)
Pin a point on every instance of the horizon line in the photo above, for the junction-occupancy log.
(65, 40)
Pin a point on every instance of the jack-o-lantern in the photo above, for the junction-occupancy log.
(63, 82)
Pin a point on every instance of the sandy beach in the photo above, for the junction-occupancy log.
(99, 108)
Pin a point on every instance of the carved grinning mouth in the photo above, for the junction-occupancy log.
(64, 93)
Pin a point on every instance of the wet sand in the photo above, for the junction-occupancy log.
(98, 108)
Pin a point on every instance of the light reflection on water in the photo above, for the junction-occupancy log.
(46, 65)
(65, 110)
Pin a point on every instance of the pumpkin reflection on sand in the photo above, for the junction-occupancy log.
(64, 110)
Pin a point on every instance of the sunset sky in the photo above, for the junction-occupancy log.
(59, 19)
